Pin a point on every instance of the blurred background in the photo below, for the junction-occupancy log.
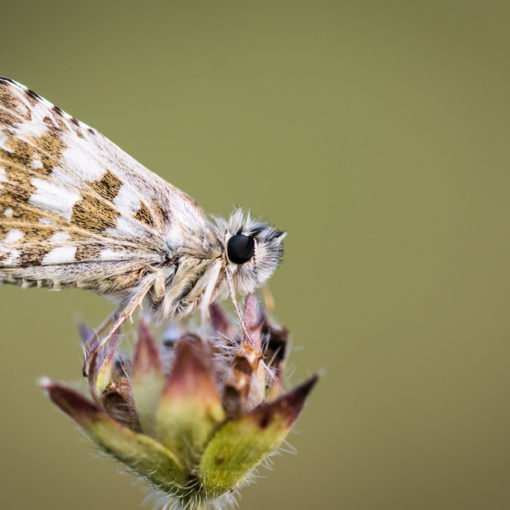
(376, 133)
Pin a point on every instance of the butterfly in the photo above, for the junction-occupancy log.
(78, 212)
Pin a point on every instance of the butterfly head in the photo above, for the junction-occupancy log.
(252, 250)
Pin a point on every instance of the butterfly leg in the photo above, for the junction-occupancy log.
(124, 312)
(232, 291)
(107, 322)
(127, 309)
(206, 300)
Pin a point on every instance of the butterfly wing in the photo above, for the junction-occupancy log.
(75, 209)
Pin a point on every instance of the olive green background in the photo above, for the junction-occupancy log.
(377, 134)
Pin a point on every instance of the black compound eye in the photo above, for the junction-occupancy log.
(240, 248)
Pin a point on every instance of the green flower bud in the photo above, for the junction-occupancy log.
(193, 419)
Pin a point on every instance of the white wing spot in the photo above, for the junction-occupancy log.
(36, 163)
(52, 197)
(45, 221)
(126, 228)
(108, 254)
(12, 258)
(126, 200)
(3, 139)
(13, 235)
(79, 161)
(60, 255)
(34, 127)
(62, 175)
(8, 212)
(59, 237)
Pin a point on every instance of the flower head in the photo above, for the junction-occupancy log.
(192, 416)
